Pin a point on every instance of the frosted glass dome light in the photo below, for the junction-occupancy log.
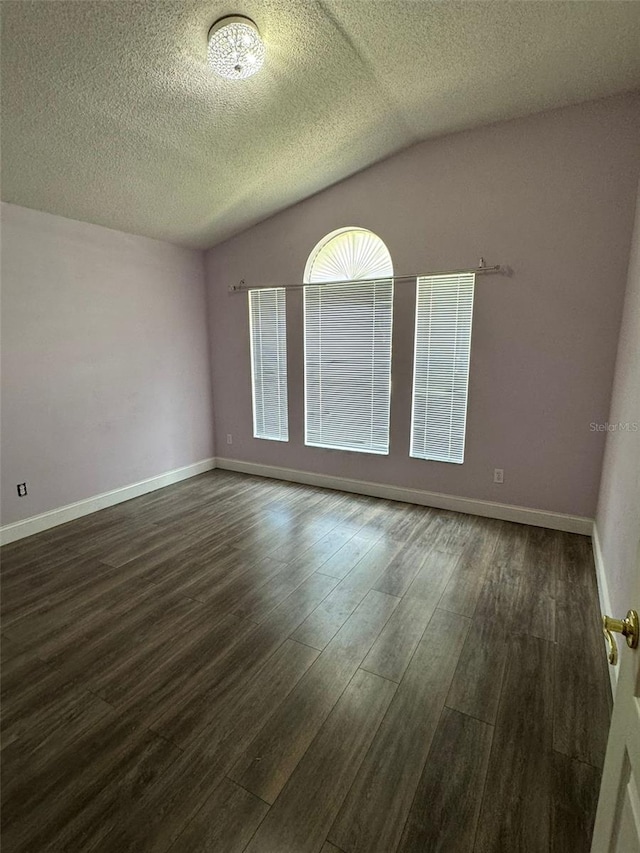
(236, 50)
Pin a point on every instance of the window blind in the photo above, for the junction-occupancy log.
(444, 310)
(268, 336)
(347, 335)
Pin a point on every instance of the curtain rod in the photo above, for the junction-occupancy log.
(481, 269)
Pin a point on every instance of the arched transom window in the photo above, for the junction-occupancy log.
(347, 255)
(348, 315)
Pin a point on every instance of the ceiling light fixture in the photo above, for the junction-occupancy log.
(236, 50)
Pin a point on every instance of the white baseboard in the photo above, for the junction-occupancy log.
(603, 595)
(38, 523)
(487, 509)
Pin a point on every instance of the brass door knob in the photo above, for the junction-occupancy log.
(628, 627)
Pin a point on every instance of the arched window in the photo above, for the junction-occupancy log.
(348, 254)
(348, 314)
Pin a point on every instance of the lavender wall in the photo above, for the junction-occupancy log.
(618, 515)
(551, 195)
(105, 377)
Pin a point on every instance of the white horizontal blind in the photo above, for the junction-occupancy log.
(347, 334)
(267, 320)
(444, 310)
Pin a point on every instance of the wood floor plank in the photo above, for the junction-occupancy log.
(78, 792)
(220, 557)
(317, 554)
(367, 571)
(577, 605)
(198, 519)
(91, 812)
(433, 576)
(411, 522)
(234, 583)
(226, 822)
(33, 552)
(507, 561)
(182, 723)
(34, 568)
(448, 531)
(373, 517)
(131, 537)
(390, 654)
(221, 583)
(55, 636)
(283, 541)
(319, 628)
(576, 787)
(576, 564)
(536, 608)
(152, 682)
(79, 577)
(463, 590)
(174, 795)
(9, 649)
(293, 520)
(373, 815)
(516, 806)
(254, 533)
(581, 707)
(38, 701)
(138, 634)
(578, 621)
(402, 569)
(84, 534)
(304, 811)
(498, 602)
(344, 560)
(25, 678)
(78, 611)
(477, 683)
(272, 757)
(155, 545)
(445, 810)
(225, 512)
(259, 602)
(237, 724)
(166, 807)
(289, 545)
(66, 717)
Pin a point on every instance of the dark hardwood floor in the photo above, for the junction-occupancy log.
(235, 664)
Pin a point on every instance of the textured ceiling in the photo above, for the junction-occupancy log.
(110, 114)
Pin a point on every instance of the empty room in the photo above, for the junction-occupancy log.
(320, 426)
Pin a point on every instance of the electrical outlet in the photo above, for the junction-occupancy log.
(498, 475)
(22, 489)
(229, 438)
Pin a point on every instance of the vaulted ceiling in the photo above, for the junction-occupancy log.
(110, 113)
